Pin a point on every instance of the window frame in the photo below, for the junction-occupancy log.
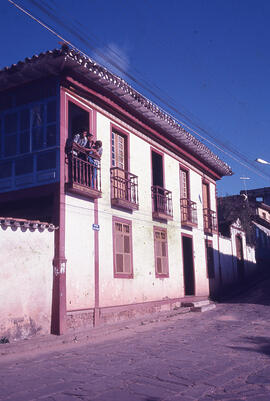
(116, 274)
(163, 274)
(115, 129)
(185, 170)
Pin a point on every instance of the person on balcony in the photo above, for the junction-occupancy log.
(81, 139)
(79, 145)
(94, 155)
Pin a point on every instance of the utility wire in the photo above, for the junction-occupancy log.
(80, 35)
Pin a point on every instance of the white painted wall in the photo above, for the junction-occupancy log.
(80, 238)
(79, 253)
(26, 282)
(228, 257)
(145, 286)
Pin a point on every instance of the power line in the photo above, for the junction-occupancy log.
(80, 35)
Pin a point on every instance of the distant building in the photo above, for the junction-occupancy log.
(259, 194)
(254, 216)
(134, 231)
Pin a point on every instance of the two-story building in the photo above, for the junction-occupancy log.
(135, 229)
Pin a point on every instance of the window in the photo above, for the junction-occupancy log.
(161, 252)
(29, 129)
(46, 160)
(119, 151)
(184, 183)
(157, 169)
(122, 248)
(24, 165)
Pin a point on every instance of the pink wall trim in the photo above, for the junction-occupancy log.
(96, 240)
(58, 323)
(161, 137)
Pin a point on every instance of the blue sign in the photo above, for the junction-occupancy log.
(95, 227)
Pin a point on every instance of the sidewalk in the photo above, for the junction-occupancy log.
(45, 343)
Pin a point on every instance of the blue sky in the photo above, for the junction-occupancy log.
(210, 59)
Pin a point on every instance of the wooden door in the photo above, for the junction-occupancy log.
(188, 265)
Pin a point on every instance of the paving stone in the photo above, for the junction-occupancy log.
(196, 357)
(123, 395)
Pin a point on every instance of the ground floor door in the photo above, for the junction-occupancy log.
(188, 265)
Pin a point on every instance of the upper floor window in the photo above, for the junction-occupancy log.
(124, 184)
(28, 129)
(119, 150)
(184, 184)
(161, 197)
(122, 248)
(209, 216)
(188, 208)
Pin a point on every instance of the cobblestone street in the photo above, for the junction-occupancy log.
(218, 355)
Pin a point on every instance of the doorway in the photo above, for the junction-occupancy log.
(188, 265)
(78, 120)
(240, 258)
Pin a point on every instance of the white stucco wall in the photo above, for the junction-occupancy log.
(144, 286)
(79, 250)
(228, 257)
(25, 282)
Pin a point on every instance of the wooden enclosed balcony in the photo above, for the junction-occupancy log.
(124, 189)
(84, 177)
(162, 203)
(209, 221)
(188, 212)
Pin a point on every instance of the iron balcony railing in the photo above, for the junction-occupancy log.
(188, 212)
(84, 175)
(209, 221)
(162, 202)
(124, 188)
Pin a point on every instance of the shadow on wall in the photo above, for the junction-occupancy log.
(232, 275)
(259, 294)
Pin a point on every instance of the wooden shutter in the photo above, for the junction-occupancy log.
(184, 184)
(161, 252)
(119, 151)
(206, 200)
(122, 232)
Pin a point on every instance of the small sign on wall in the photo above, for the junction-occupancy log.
(95, 227)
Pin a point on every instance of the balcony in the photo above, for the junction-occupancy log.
(84, 177)
(188, 212)
(124, 189)
(162, 203)
(209, 221)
